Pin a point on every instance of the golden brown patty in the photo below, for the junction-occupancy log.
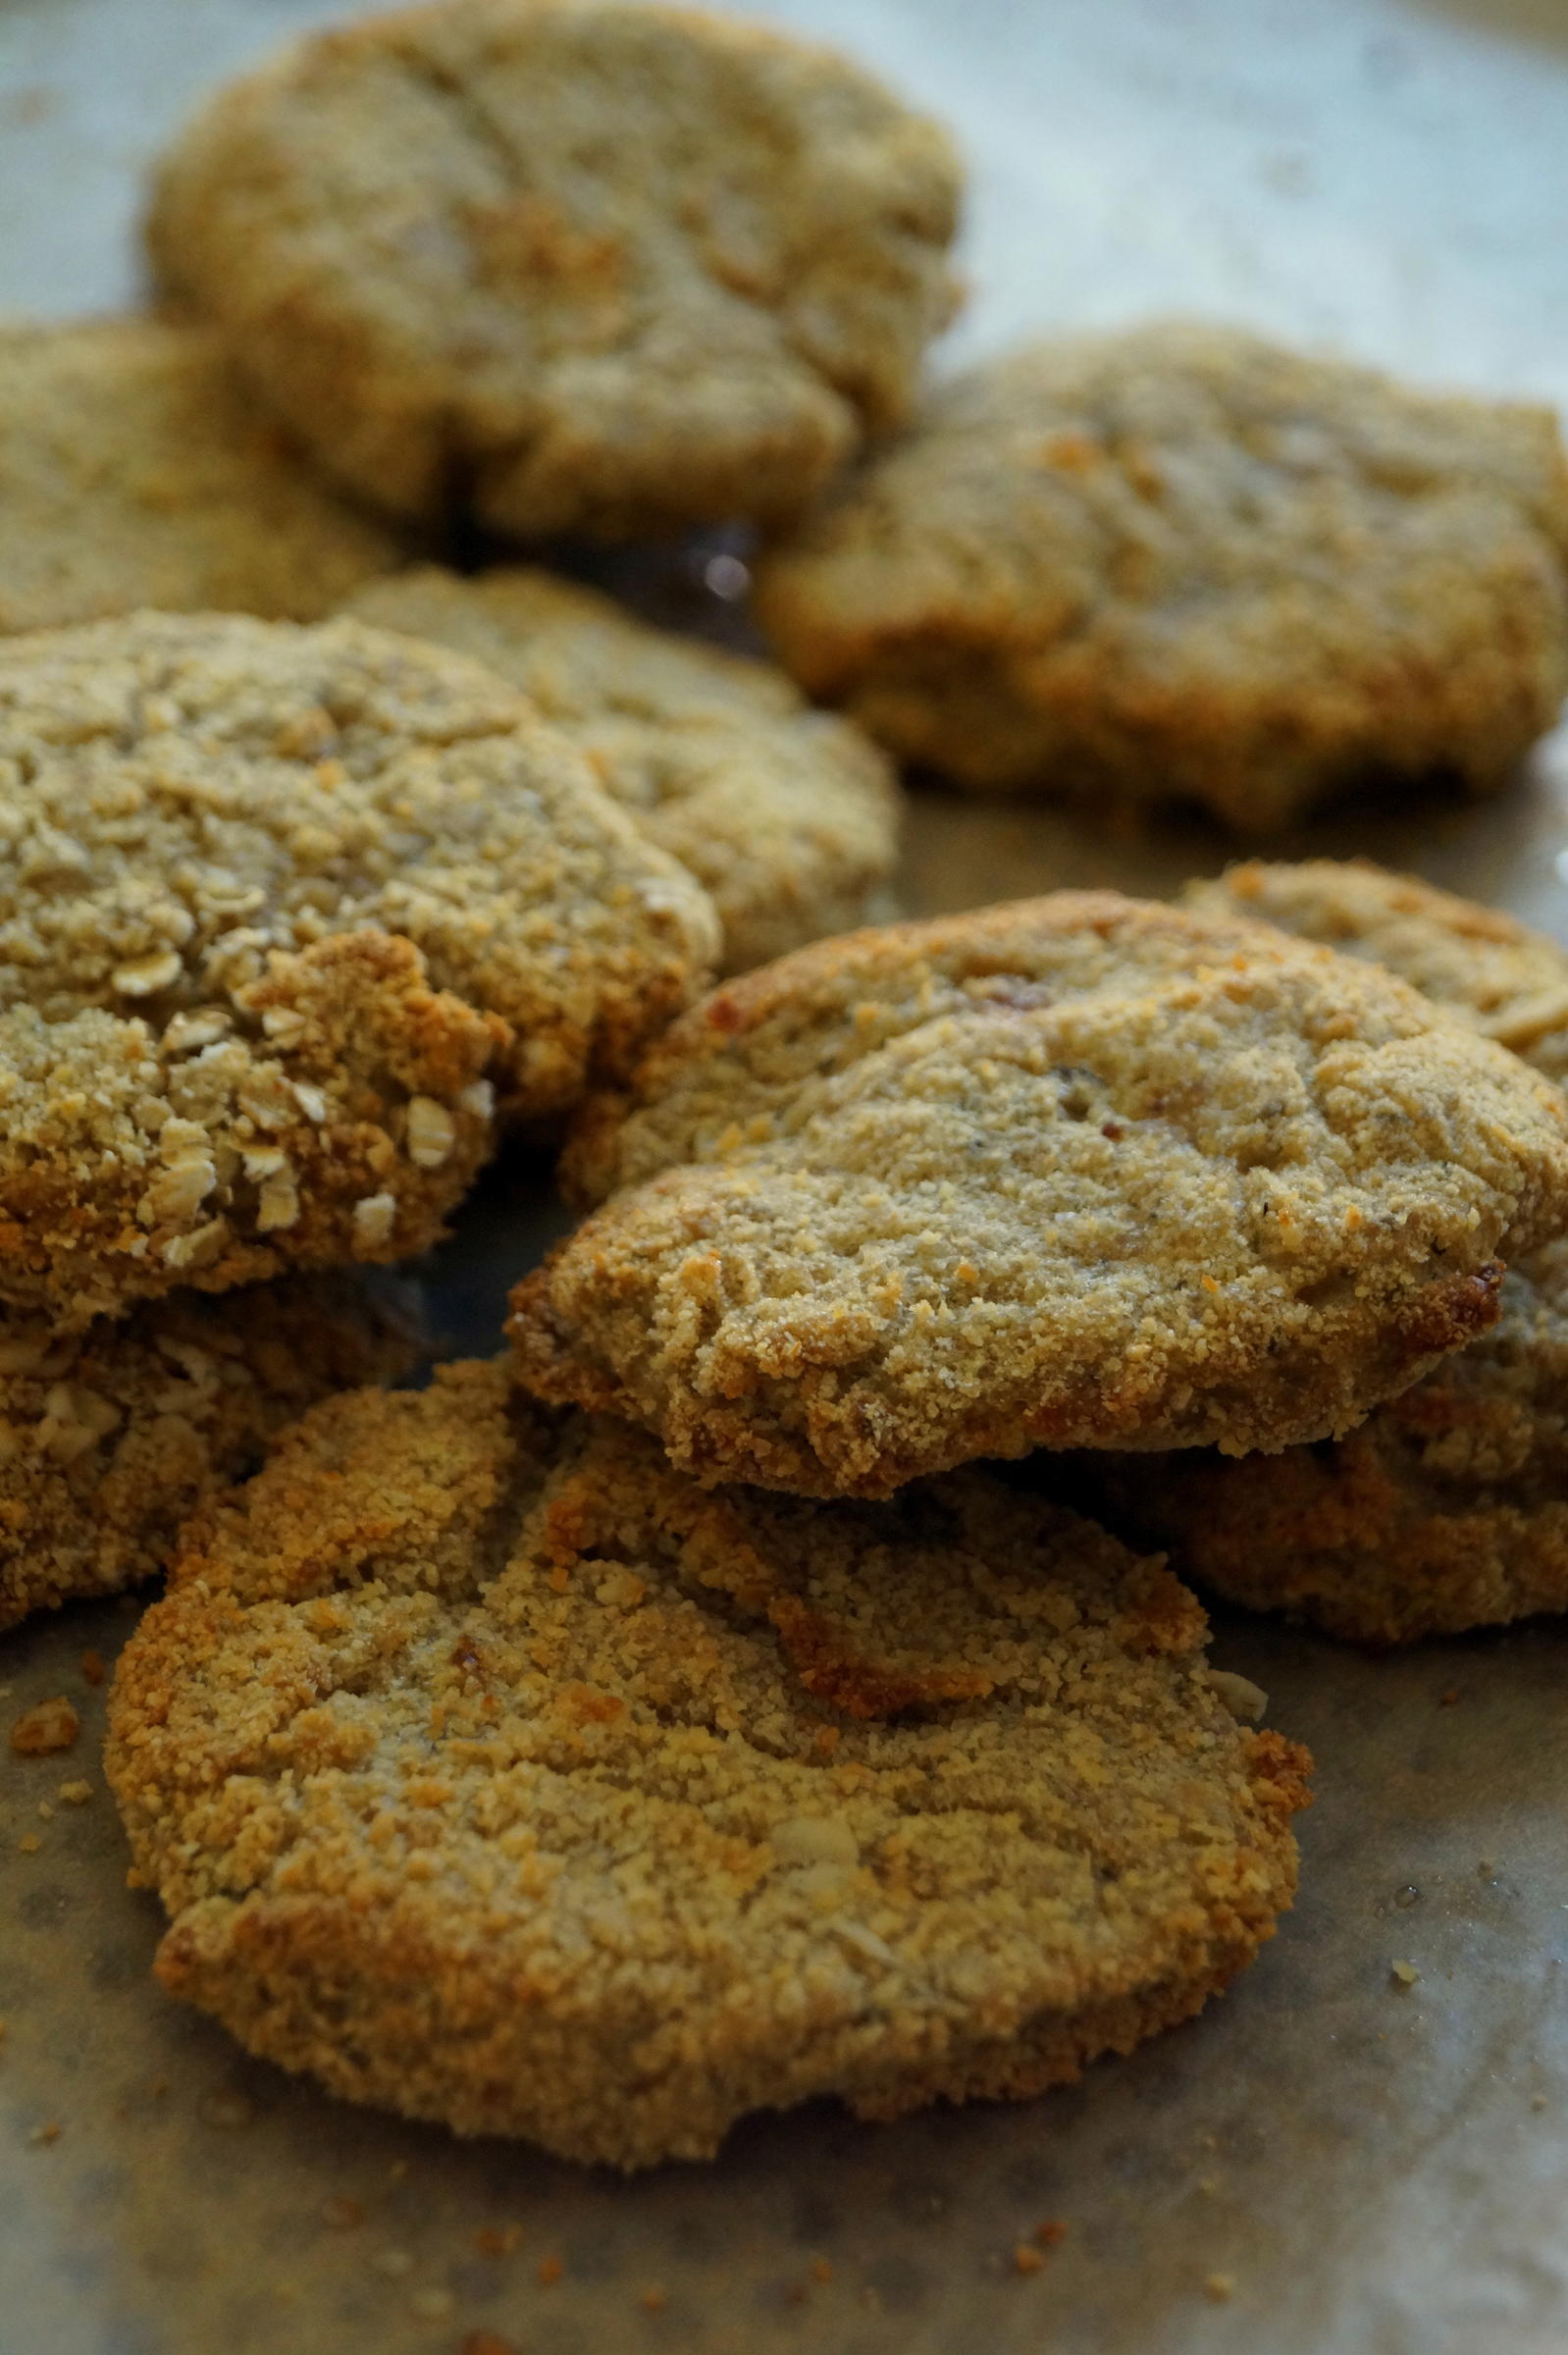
(603, 266)
(109, 1438)
(133, 471)
(1446, 1509)
(1078, 1172)
(786, 815)
(1180, 563)
(491, 1770)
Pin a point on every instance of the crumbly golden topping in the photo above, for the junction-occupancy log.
(786, 815)
(1180, 562)
(589, 265)
(1483, 964)
(133, 471)
(491, 1771)
(1078, 1172)
(109, 1437)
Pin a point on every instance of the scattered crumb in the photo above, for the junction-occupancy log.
(53, 1725)
(1027, 2259)
(485, 2343)
(432, 2305)
(44, 2135)
(158, 2088)
(29, 1844)
(46, 1811)
(1208, 2183)
(75, 1795)
(1485, 1868)
(224, 2110)
(1242, 1697)
(92, 1667)
(550, 2269)
(1219, 2286)
(796, 2293)
(1051, 2234)
(397, 2170)
(498, 2240)
(5, 2027)
(342, 2214)
(1446, 1699)
(1538, 2101)
(655, 2299)
(1405, 1972)
(393, 2263)
(821, 2269)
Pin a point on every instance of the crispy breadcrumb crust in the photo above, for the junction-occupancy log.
(491, 1770)
(587, 265)
(1078, 1172)
(1481, 964)
(182, 793)
(1446, 1509)
(133, 471)
(788, 818)
(1182, 563)
(108, 1438)
(335, 1110)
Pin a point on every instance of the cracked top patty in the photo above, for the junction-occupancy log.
(583, 263)
(1078, 1172)
(492, 1770)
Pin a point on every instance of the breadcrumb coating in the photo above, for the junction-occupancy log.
(1446, 1509)
(587, 265)
(1484, 966)
(335, 1110)
(491, 1770)
(133, 471)
(787, 816)
(109, 1437)
(181, 795)
(1078, 1172)
(1182, 563)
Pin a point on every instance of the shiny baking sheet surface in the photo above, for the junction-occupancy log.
(1328, 2162)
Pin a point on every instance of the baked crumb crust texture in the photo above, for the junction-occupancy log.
(1078, 1172)
(109, 1437)
(1446, 1509)
(1480, 963)
(232, 851)
(587, 265)
(491, 1771)
(133, 471)
(787, 816)
(1182, 563)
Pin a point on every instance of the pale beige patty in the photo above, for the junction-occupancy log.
(229, 850)
(133, 471)
(1079, 1171)
(1481, 964)
(577, 262)
(1182, 563)
(1446, 1509)
(109, 1437)
(786, 815)
(491, 1770)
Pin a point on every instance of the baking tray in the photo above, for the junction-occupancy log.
(1325, 2163)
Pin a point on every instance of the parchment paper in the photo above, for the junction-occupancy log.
(1325, 2164)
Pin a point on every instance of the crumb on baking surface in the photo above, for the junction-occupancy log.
(487, 2343)
(499, 2240)
(49, 1726)
(76, 1793)
(1405, 1973)
(92, 1667)
(550, 2269)
(654, 2298)
(1051, 2232)
(1026, 2259)
(1219, 2286)
(342, 2214)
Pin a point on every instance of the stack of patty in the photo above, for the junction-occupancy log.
(688, 1712)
